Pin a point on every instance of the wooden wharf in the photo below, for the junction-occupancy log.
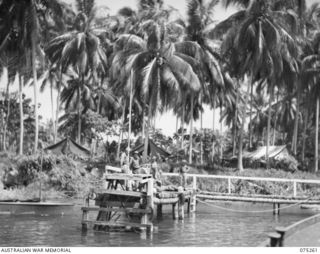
(119, 208)
(272, 198)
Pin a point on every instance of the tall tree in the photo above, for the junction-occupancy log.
(158, 67)
(259, 43)
(23, 21)
(81, 49)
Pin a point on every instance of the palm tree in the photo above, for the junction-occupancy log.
(198, 44)
(77, 97)
(80, 49)
(311, 76)
(22, 21)
(162, 71)
(258, 43)
(51, 77)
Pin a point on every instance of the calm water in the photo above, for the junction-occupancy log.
(208, 227)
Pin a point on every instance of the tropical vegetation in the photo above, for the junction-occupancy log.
(112, 75)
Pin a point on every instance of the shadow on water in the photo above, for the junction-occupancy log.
(209, 226)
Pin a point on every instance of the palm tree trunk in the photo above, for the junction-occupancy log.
(304, 135)
(240, 164)
(275, 122)
(316, 155)
(201, 131)
(79, 115)
(250, 121)
(143, 119)
(146, 139)
(221, 130)
(235, 124)
(121, 133)
(191, 129)
(130, 114)
(57, 109)
(274, 131)
(268, 129)
(8, 114)
(177, 122)
(182, 123)
(35, 86)
(99, 96)
(21, 114)
(296, 126)
(154, 125)
(52, 111)
(213, 123)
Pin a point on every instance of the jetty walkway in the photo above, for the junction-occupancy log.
(287, 192)
(117, 207)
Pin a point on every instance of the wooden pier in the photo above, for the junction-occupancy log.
(230, 196)
(117, 208)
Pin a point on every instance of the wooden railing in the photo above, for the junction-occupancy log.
(230, 178)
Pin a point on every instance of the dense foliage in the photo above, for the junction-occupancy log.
(115, 73)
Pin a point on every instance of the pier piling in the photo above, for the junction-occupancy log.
(175, 211)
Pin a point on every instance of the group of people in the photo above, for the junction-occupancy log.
(135, 166)
(132, 164)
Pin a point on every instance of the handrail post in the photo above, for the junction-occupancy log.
(194, 195)
(85, 215)
(294, 188)
(229, 185)
(150, 205)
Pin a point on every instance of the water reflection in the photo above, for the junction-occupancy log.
(207, 227)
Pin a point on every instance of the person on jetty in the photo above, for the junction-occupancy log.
(124, 161)
(183, 170)
(123, 158)
(135, 163)
(155, 171)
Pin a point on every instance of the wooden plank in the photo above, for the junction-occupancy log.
(256, 195)
(43, 204)
(120, 209)
(134, 177)
(257, 200)
(117, 204)
(113, 169)
(115, 224)
(266, 179)
(124, 193)
(165, 201)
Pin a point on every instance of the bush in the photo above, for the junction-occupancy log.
(58, 174)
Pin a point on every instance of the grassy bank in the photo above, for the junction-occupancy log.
(62, 177)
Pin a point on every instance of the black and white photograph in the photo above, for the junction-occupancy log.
(159, 123)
